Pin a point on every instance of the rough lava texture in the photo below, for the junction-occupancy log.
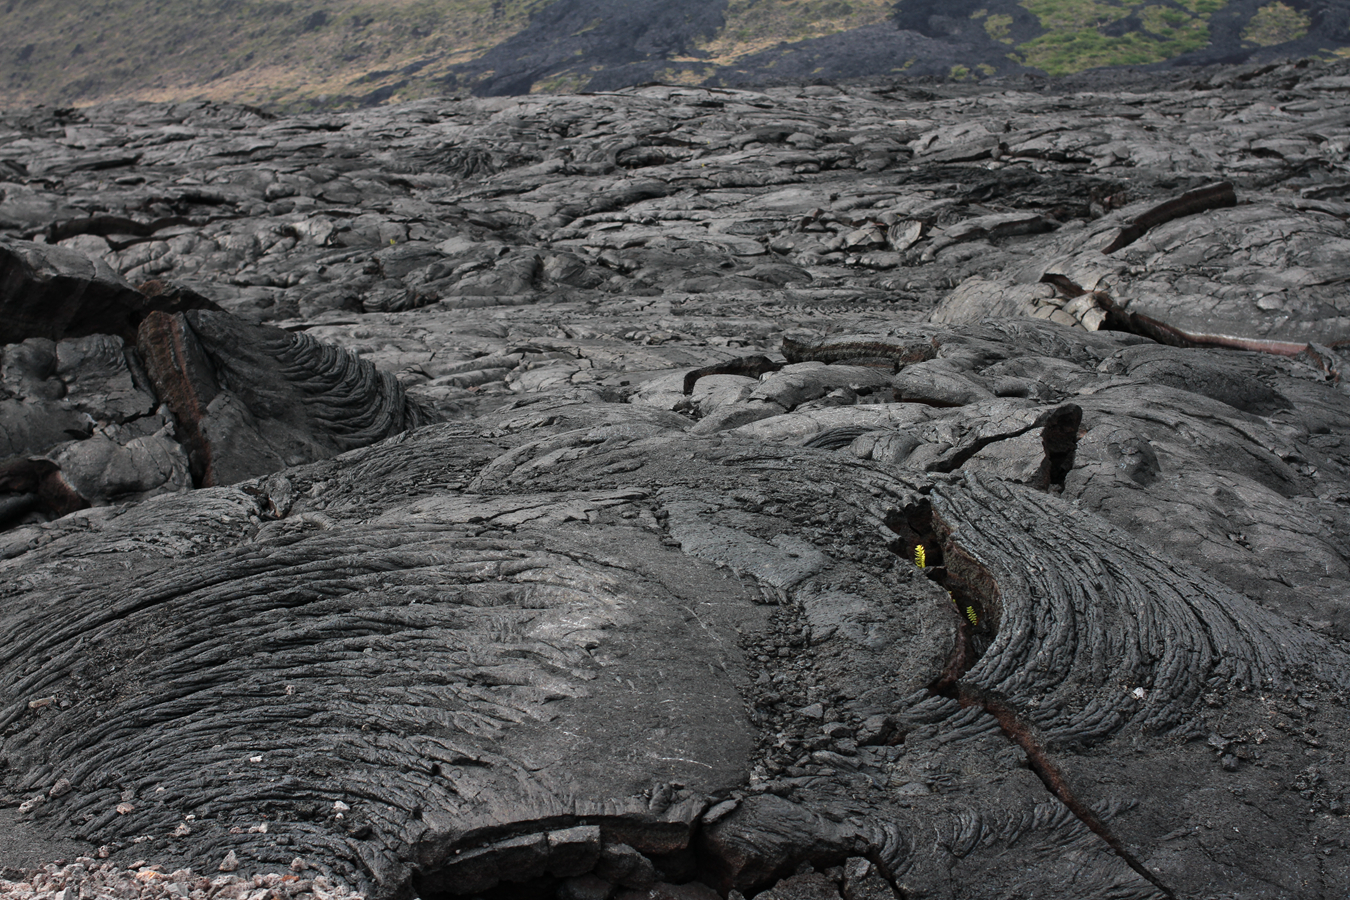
(679, 493)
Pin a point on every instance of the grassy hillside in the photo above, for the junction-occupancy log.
(1083, 34)
(753, 26)
(300, 53)
(259, 51)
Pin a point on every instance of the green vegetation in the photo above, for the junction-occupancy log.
(690, 75)
(1074, 15)
(1204, 8)
(567, 83)
(998, 27)
(306, 53)
(755, 25)
(1275, 23)
(1074, 41)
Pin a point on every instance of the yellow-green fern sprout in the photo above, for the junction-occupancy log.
(920, 557)
(972, 615)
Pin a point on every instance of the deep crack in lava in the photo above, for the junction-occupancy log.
(974, 592)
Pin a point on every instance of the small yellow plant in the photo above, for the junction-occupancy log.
(972, 615)
(920, 557)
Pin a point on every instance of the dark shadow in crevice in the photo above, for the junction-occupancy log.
(922, 535)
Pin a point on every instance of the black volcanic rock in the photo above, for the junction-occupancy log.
(627, 42)
(196, 397)
(252, 399)
(52, 292)
(840, 491)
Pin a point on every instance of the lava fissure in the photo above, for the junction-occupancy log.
(846, 351)
(973, 590)
(747, 366)
(1203, 199)
(1020, 732)
(1059, 439)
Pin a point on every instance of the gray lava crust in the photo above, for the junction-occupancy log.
(824, 492)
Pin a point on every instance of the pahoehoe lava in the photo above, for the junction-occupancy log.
(507, 498)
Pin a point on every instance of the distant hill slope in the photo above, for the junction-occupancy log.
(301, 53)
